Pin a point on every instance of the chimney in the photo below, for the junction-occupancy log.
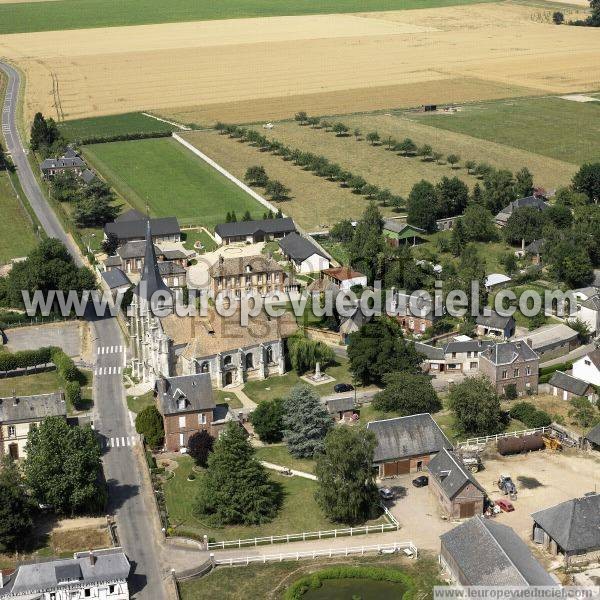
(518, 345)
(92, 558)
(15, 398)
(480, 343)
(530, 343)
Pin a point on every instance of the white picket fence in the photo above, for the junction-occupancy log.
(327, 553)
(494, 438)
(393, 525)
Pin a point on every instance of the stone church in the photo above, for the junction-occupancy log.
(221, 346)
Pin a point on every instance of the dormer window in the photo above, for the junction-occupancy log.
(181, 402)
(248, 269)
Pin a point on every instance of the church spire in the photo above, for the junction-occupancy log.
(150, 281)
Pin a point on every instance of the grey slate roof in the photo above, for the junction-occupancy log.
(185, 393)
(451, 474)
(298, 248)
(132, 225)
(494, 320)
(593, 302)
(396, 226)
(110, 566)
(403, 437)
(593, 435)
(567, 382)
(62, 163)
(243, 228)
(150, 280)
(417, 305)
(115, 278)
(113, 261)
(529, 201)
(594, 356)
(170, 268)
(430, 352)
(535, 247)
(135, 249)
(574, 524)
(470, 346)
(335, 405)
(32, 408)
(88, 176)
(69, 153)
(491, 554)
(174, 254)
(508, 352)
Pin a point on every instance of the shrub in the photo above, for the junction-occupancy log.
(510, 392)
(65, 366)
(73, 393)
(529, 415)
(149, 423)
(9, 361)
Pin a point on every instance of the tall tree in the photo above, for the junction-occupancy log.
(453, 196)
(306, 422)
(587, 181)
(379, 347)
(570, 262)
(305, 353)
(407, 394)
(346, 485)
(422, 202)
(15, 508)
(523, 183)
(458, 238)
(478, 224)
(149, 423)
(63, 467)
(367, 243)
(267, 420)
(199, 447)
(524, 223)
(476, 407)
(236, 489)
(499, 190)
(256, 175)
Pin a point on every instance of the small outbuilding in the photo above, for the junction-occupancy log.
(496, 325)
(593, 438)
(566, 387)
(480, 552)
(303, 254)
(406, 444)
(341, 409)
(458, 493)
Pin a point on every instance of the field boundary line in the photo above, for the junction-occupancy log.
(225, 173)
(175, 124)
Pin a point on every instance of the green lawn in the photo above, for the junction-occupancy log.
(137, 403)
(279, 386)
(17, 237)
(298, 513)
(262, 581)
(98, 127)
(79, 14)
(171, 180)
(337, 250)
(553, 127)
(190, 236)
(222, 397)
(278, 454)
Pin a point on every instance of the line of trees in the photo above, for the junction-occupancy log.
(320, 165)
(257, 176)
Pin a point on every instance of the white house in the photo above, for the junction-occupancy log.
(303, 254)
(589, 312)
(587, 368)
(94, 574)
(495, 281)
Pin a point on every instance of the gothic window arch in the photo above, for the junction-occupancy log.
(269, 354)
(204, 367)
(227, 360)
(249, 361)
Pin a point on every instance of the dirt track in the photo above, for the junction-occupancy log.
(408, 56)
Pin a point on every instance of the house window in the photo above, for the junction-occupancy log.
(181, 422)
(181, 440)
(504, 374)
(111, 589)
(269, 353)
(12, 431)
(87, 593)
(587, 362)
(227, 360)
(454, 355)
(473, 365)
(202, 419)
(516, 374)
(527, 370)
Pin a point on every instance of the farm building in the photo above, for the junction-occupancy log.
(341, 409)
(458, 493)
(566, 386)
(53, 166)
(484, 553)
(406, 444)
(396, 233)
(593, 438)
(534, 251)
(571, 528)
(495, 281)
(496, 325)
(551, 341)
(131, 226)
(588, 367)
(251, 232)
(303, 254)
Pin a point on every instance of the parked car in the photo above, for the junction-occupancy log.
(421, 481)
(338, 388)
(505, 505)
(386, 494)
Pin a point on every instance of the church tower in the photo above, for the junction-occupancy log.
(150, 347)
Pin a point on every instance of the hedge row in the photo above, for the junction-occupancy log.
(124, 137)
(547, 372)
(531, 416)
(315, 580)
(10, 361)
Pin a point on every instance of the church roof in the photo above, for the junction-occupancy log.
(150, 281)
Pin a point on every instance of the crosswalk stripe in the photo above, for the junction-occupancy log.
(122, 441)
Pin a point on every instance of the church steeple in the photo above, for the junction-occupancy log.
(150, 281)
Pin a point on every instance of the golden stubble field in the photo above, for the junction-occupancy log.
(203, 70)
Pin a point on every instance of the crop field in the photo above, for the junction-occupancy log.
(388, 169)
(83, 14)
(171, 180)
(101, 127)
(16, 231)
(351, 62)
(558, 128)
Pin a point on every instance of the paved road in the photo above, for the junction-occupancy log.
(111, 420)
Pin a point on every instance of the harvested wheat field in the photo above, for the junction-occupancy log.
(80, 73)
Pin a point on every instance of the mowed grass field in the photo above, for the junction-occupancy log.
(101, 127)
(561, 129)
(382, 167)
(313, 202)
(17, 237)
(171, 180)
(83, 14)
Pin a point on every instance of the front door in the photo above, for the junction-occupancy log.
(228, 378)
(419, 465)
(13, 451)
(467, 510)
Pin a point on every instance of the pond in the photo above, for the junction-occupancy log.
(355, 589)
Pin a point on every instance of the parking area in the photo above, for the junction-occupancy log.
(542, 479)
(71, 336)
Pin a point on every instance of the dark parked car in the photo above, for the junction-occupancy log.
(421, 481)
(338, 388)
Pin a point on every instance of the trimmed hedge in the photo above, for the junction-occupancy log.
(124, 137)
(547, 372)
(315, 580)
(73, 393)
(9, 361)
(531, 416)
